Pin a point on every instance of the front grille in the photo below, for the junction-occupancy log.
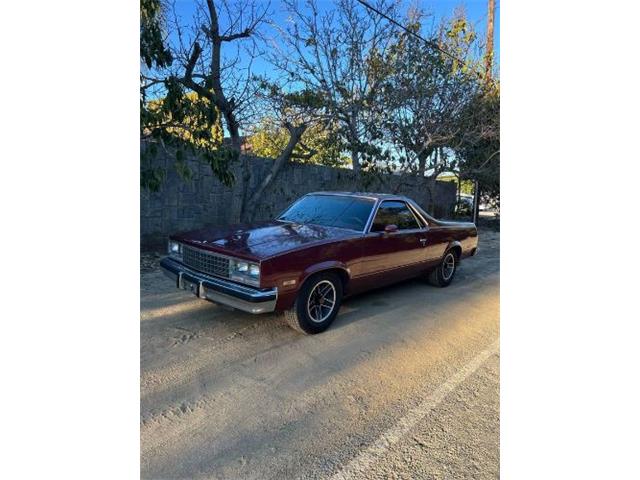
(205, 262)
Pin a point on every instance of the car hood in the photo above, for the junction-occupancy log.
(261, 240)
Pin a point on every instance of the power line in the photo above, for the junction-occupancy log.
(417, 35)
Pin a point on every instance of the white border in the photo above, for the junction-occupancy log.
(70, 216)
(569, 255)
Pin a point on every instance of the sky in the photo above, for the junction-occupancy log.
(476, 12)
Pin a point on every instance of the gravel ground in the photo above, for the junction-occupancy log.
(230, 395)
(458, 439)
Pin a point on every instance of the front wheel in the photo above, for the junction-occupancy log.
(317, 304)
(443, 274)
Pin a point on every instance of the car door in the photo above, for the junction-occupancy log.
(391, 256)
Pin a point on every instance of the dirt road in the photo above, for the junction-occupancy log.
(405, 384)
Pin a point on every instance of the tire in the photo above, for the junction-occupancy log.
(443, 274)
(307, 315)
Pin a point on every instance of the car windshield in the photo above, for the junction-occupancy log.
(330, 211)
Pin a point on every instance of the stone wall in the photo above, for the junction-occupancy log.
(204, 201)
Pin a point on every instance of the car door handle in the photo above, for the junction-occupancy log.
(423, 242)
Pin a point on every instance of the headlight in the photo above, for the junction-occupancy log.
(175, 249)
(245, 272)
(242, 267)
(254, 271)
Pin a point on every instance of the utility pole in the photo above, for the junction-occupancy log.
(488, 64)
(488, 59)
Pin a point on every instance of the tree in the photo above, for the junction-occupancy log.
(425, 94)
(318, 145)
(188, 124)
(199, 126)
(227, 84)
(479, 143)
(345, 83)
(171, 117)
(153, 53)
(199, 68)
(295, 112)
(339, 55)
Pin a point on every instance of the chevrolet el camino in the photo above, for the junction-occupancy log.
(325, 246)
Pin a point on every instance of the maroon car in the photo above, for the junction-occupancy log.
(323, 247)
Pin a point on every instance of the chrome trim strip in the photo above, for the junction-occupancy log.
(418, 218)
(344, 194)
(409, 206)
(210, 252)
(372, 215)
(417, 214)
(249, 307)
(423, 214)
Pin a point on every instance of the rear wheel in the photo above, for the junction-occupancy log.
(443, 274)
(317, 304)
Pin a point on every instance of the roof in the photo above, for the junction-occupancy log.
(359, 194)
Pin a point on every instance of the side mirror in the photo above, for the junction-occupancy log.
(390, 228)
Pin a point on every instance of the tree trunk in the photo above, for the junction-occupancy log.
(422, 163)
(423, 156)
(295, 134)
(355, 163)
(355, 154)
(476, 202)
(227, 107)
(459, 182)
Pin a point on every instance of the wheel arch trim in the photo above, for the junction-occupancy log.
(328, 265)
(453, 245)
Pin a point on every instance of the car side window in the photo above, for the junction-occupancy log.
(393, 212)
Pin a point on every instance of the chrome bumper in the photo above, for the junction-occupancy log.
(218, 290)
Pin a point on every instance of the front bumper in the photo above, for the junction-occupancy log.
(218, 290)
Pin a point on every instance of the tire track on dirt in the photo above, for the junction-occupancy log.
(209, 355)
(253, 384)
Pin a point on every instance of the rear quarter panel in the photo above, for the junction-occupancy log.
(447, 235)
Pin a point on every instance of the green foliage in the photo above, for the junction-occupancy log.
(318, 144)
(189, 125)
(172, 118)
(479, 142)
(306, 99)
(152, 48)
(152, 178)
(339, 55)
(424, 94)
(185, 116)
(466, 186)
(438, 111)
(457, 39)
